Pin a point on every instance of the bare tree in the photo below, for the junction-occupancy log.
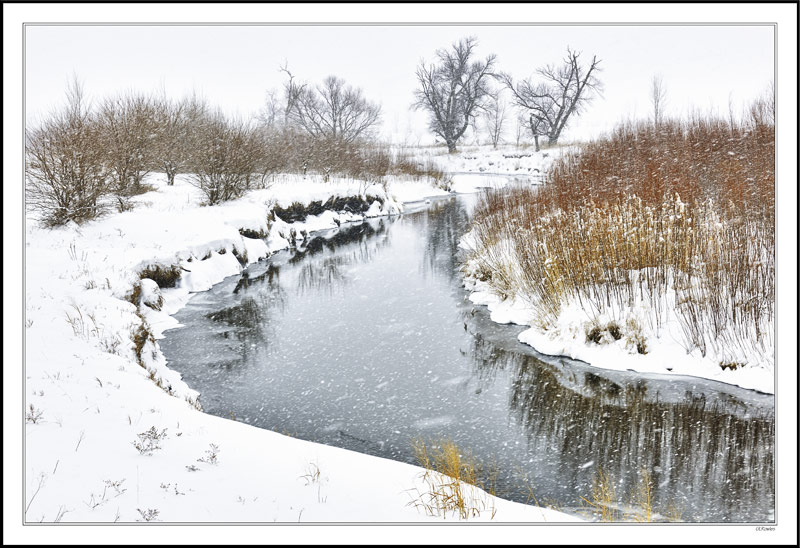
(658, 98)
(176, 127)
(273, 112)
(64, 173)
(453, 90)
(128, 132)
(227, 158)
(291, 93)
(565, 90)
(495, 115)
(332, 110)
(762, 110)
(519, 127)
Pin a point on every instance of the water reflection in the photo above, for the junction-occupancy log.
(443, 223)
(336, 238)
(711, 457)
(362, 338)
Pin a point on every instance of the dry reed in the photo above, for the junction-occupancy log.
(451, 478)
(677, 219)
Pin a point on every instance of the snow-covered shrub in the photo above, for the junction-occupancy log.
(150, 294)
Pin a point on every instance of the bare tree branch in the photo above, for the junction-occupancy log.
(658, 98)
(332, 110)
(454, 90)
(564, 90)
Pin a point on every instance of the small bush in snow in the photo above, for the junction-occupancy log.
(240, 256)
(151, 514)
(151, 294)
(634, 337)
(149, 440)
(253, 234)
(212, 454)
(33, 415)
(141, 335)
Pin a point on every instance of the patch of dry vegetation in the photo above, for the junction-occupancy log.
(451, 477)
(604, 503)
(679, 218)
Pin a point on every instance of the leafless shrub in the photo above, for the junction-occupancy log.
(150, 514)
(177, 127)
(111, 490)
(227, 158)
(128, 130)
(63, 165)
(212, 454)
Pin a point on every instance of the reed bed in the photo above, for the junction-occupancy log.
(676, 220)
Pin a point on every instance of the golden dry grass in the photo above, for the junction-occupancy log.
(605, 504)
(452, 483)
(680, 218)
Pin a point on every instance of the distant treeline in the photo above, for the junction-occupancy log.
(83, 160)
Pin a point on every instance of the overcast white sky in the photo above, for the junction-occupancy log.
(232, 66)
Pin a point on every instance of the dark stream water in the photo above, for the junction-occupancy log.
(365, 339)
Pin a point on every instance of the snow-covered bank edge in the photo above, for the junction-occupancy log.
(113, 435)
(568, 337)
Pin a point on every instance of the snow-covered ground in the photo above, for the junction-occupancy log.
(505, 159)
(112, 434)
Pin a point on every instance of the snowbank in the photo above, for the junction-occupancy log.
(665, 353)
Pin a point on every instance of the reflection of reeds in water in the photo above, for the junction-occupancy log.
(327, 273)
(446, 221)
(690, 446)
(603, 501)
(250, 319)
(351, 234)
(703, 448)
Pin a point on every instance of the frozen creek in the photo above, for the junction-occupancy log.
(365, 339)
